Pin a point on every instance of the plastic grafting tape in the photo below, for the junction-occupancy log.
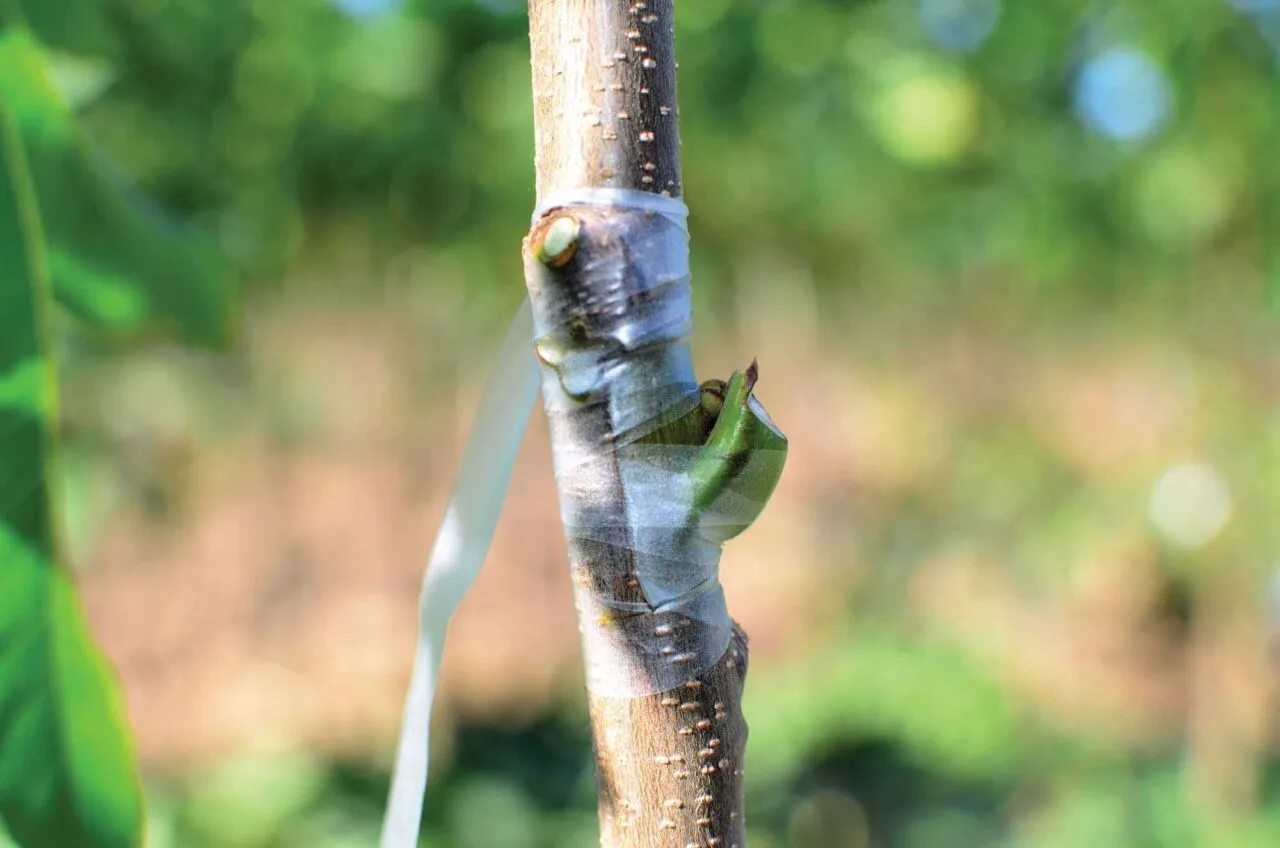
(641, 301)
(632, 649)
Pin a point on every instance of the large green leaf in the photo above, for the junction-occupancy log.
(67, 778)
(113, 261)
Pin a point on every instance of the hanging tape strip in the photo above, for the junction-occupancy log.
(460, 547)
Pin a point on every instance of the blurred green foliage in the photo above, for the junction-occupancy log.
(841, 131)
(67, 775)
(113, 261)
(1043, 159)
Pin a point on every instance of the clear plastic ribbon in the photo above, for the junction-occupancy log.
(460, 547)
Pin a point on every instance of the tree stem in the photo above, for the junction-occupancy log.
(668, 765)
(604, 94)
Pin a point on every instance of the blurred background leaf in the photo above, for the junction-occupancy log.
(67, 775)
(115, 262)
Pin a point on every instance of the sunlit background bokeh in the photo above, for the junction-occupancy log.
(1012, 274)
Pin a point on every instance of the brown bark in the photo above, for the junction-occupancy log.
(604, 94)
(668, 766)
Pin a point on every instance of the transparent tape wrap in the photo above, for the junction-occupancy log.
(646, 502)
(617, 382)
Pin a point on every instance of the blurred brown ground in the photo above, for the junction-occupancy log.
(256, 579)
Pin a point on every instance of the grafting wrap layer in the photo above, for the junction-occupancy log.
(644, 529)
(647, 498)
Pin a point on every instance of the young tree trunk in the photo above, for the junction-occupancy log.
(668, 765)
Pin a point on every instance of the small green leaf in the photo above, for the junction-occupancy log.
(67, 778)
(114, 262)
